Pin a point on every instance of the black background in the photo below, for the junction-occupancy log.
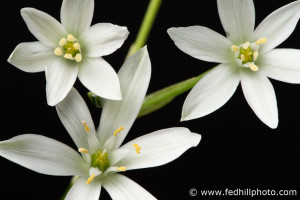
(237, 150)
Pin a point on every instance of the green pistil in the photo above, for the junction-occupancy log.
(69, 49)
(248, 55)
(100, 161)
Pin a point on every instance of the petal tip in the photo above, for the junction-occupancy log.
(198, 139)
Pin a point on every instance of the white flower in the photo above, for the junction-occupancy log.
(246, 55)
(102, 153)
(69, 49)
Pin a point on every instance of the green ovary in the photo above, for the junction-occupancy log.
(69, 49)
(100, 160)
(248, 55)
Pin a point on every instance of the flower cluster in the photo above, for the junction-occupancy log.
(75, 48)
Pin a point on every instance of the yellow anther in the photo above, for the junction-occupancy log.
(234, 48)
(118, 130)
(261, 41)
(255, 55)
(137, 148)
(71, 38)
(62, 41)
(68, 56)
(86, 127)
(246, 45)
(90, 179)
(76, 46)
(253, 67)
(242, 57)
(58, 51)
(78, 57)
(121, 169)
(83, 150)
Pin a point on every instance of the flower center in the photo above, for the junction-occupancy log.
(246, 54)
(100, 160)
(69, 48)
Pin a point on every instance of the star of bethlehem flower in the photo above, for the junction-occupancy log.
(246, 55)
(70, 49)
(102, 155)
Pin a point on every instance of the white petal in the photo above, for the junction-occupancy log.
(100, 78)
(60, 76)
(211, 92)
(44, 27)
(72, 111)
(159, 148)
(117, 155)
(31, 57)
(76, 15)
(202, 43)
(121, 187)
(260, 95)
(278, 26)
(103, 39)
(134, 78)
(281, 64)
(80, 190)
(238, 18)
(43, 155)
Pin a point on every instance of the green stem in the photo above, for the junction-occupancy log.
(160, 98)
(146, 26)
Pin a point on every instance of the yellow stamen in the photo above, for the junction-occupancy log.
(90, 179)
(58, 51)
(78, 57)
(121, 169)
(62, 41)
(234, 48)
(68, 56)
(83, 150)
(253, 67)
(76, 46)
(71, 38)
(242, 57)
(86, 127)
(137, 148)
(246, 45)
(255, 55)
(261, 41)
(118, 130)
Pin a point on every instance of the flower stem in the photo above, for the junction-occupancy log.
(146, 26)
(160, 98)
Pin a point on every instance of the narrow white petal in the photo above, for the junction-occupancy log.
(44, 27)
(117, 155)
(159, 148)
(282, 65)
(80, 190)
(43, 155)
(76, 15)
(238, 19)
(260, 95)
(121, 187)
(31, 57)
(211, 92)
(103, 39)
(202, 43)
(100, 78)
(60, 76)
(134, 78)
(72, 111)
(278, 26)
